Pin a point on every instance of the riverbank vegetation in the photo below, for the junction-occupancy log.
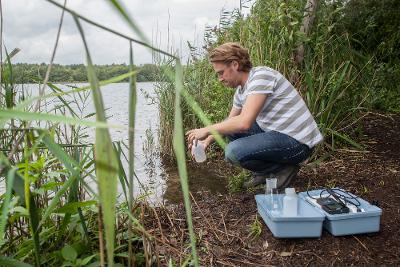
(58, 204)
(342, 56)
(30, 73)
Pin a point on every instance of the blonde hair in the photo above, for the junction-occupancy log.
(228, 52)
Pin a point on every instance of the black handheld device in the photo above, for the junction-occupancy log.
(332, 206)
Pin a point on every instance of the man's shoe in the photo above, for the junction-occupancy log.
(255, 180)
(286, 176)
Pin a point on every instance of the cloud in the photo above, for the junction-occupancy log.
(31, 25)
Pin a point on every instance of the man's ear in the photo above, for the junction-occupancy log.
(235, 65)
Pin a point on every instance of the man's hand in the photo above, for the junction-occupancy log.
(197, 134)
(205, 143)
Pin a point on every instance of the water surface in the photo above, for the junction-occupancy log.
(160, 182)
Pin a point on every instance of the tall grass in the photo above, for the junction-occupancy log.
(333, 78)
(49, 205)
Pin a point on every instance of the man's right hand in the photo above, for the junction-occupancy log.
(205, 143)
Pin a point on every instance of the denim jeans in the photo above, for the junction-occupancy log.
(264, 152)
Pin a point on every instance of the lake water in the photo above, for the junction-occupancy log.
(160, 181)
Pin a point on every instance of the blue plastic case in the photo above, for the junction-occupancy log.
(367, 221)
(307, 223)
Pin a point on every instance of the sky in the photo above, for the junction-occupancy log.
(31, 25)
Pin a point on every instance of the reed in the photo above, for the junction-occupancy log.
(48, 204)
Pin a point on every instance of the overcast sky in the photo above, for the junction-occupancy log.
(31, 25)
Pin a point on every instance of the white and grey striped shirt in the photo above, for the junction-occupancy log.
(284, 110)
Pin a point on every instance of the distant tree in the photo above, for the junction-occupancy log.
(26, 73)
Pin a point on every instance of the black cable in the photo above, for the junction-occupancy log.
(338, 194)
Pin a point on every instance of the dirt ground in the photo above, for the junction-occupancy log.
(222, 221)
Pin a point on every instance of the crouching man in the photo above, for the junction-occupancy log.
(269, 127)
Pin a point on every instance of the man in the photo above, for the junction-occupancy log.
(270, 128)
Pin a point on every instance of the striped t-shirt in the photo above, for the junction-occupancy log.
(284, 110)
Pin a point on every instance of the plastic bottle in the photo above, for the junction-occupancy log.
(198, 152)
(290, 203)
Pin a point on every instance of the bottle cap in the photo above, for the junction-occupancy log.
(290, 191)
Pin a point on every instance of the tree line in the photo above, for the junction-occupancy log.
(27, 73)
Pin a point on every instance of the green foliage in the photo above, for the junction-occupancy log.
(235, 182)
(70, 256)
(46, 203)
(255, 228)
(374, 30)
(339, 78)
(331, 79)
(374, 27)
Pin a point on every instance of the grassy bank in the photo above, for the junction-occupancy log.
(337, 78)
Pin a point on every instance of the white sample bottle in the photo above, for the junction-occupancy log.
(290, 203)
(198, 152)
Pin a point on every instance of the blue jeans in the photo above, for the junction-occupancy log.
(264, 152)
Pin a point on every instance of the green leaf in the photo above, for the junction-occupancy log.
(347, 139)
(131, 140)
(51, 185)
(10, 262)
(6, 114)
(94, 264)
(29, 101)
(179, 148)
(69, 163)
(73, 206)
(88, 259)
(128, 19)
(6, 203)
(69, 253)
(105, 157)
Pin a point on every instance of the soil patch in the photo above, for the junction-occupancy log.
(222, 221)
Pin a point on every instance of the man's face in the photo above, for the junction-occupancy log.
(227, 73)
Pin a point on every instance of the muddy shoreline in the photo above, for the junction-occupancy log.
(222, 221)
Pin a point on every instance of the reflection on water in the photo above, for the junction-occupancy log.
(160, 182)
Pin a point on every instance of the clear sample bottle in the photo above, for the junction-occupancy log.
(198, 151)
(272, 196)
(290, 201)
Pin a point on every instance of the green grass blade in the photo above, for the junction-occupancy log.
(132, 24)
(131, 145)
(72, 207)
(347, 139)
(6, 114)
(6, 203)
(18, 184)
(70, 164)
(179, 148)
(145, 44)
(8, 85)
(106, 161)
(73, 194)
(121, 173)
(29, 101)
(61, 98)
(197, 109)
(10, 262)
(30, 204)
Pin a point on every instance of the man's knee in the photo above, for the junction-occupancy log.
(231, 153)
